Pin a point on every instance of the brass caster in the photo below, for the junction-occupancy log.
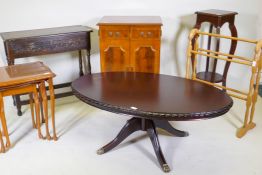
(100, 151)
(166, 168)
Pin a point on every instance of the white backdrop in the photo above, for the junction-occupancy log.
(177, 18)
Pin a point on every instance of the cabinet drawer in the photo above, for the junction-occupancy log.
(112, 32)
(145, 32)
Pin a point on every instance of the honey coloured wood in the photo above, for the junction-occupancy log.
(23, 79)
(130, 43)
(23, 73)
(255, 65)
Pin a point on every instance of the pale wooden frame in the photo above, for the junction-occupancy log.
(255, 63)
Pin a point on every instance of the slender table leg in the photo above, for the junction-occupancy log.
(136, 124)
(37, 113)
(232, 50)
(18, 105)
(3, 120)
(31, 101)
(165, 125)
(88, 61)
(217, 49)
(52, 101)
(2, 150)
(81, 73)
(209, 46)
(42, 90)
(42, 117)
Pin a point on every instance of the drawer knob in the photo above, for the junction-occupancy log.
(149, 33)
(110, 33)
(117, 34)
(142, 34)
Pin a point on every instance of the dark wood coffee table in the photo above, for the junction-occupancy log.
(150, 99)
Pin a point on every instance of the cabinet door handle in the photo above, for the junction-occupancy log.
(142, 34)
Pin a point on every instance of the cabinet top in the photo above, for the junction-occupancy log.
(24, 73)
(44, 32)
(130, 20)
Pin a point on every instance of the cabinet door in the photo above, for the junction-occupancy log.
(144, 56)
(145, 48)
(114, 48)
(114, 56)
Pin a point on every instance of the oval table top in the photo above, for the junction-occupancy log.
(152, 96)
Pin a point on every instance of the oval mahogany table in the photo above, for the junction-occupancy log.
(152, 100)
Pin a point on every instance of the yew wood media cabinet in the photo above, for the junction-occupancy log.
(130, 43)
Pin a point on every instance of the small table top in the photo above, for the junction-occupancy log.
(24, 73)
(44, 32)
(130, 20)
(153, 96)
(215, 12)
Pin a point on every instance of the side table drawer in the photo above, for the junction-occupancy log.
(33, 46)
(145, 32)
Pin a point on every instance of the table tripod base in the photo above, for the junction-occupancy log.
(137, 124)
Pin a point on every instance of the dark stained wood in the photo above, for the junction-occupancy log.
(166, 126)
(151, 99)
(217, 18)
(210, 76)
(216, 12)
(138, 124)
(154, 96)
(19, 44)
